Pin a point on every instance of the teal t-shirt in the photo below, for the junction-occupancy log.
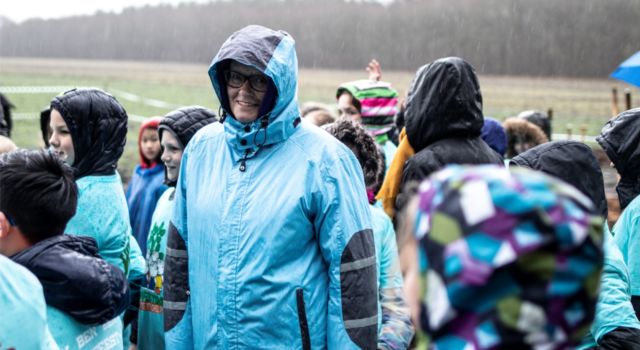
(72, 335)
(23, 316)
(626, 235)
(102, 214)
(613, 308)
(150, 320)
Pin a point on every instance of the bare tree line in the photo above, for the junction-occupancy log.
(580, 38)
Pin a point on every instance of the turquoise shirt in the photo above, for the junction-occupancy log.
(72, 335)
(150, 320)
(614, 307)
(23, 320)
(626, 235)
(103, 215)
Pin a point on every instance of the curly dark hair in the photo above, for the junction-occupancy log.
(364, 147)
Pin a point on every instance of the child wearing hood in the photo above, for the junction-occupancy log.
(175, 130)
(146, 185)
(84, 294)
(87, 130)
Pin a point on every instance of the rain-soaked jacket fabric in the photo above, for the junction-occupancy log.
(513, 259)
(275, 219)
(98, 127)
(565, 159)
(619, 138)
(75, 279)
(444, 119)
(22, 303)
(183, 123)
(144, 191)
(107, 224)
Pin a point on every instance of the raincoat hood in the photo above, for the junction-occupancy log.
(619, 138)
(98, 126)
(272, 53)
(75, 279)
(183, 123)
(494, 135)
(151, 123)
(444, 101)
(565, 159)
(540, 119)
(513, 259)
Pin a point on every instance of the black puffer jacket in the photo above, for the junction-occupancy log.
(183, 123)
(572, 162)
(98, 126)
(75, 279)
(620, 138)
(444, 119)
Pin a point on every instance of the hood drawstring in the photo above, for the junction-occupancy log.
(264, 122)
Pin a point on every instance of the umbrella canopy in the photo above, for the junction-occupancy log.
(629, 70)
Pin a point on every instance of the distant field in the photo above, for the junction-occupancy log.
(148, 89)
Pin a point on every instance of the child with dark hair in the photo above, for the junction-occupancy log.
(146, 185)
(396, 329)
(175, 130)
(38, 196)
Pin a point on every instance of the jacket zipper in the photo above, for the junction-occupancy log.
(302, 319)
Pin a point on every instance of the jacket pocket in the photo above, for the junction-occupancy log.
(302, 320)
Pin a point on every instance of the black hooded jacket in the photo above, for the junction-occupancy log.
(619, 138)
(444, 119)
(572, 162)
(183, 123)
(98, 127)
(75, 279)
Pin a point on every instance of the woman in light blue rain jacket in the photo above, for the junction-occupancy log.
(274, 217)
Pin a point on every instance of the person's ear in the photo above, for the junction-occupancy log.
(5, 225)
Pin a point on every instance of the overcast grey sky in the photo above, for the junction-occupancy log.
(20, 10)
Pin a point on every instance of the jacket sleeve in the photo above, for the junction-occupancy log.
(343, 227)
(176, 306)
(614, 307)
(626, 238)
(397, 328)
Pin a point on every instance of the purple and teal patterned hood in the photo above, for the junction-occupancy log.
(514, 259)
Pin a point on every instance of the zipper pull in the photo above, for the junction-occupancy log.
(243, 166)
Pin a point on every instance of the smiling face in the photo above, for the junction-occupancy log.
(60, 139)
(150, 144)
(171, 154)
(245, 101)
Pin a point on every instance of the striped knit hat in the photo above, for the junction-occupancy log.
(377, 103)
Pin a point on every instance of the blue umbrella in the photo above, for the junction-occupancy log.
(629, 70)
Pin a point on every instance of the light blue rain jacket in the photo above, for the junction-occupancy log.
(23, 316)
(277, 227)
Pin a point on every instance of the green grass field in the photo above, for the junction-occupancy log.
(577, 103)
